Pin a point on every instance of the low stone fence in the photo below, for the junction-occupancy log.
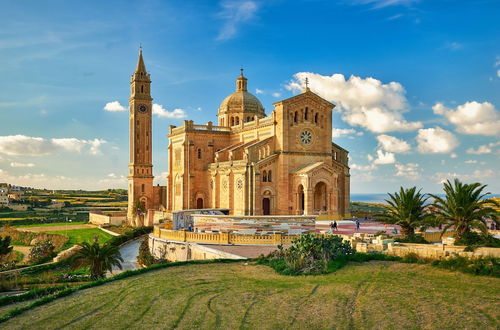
(223, 238)
(427, 251)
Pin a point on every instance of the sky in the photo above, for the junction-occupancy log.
(416, 83)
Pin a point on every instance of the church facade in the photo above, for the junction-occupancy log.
(248, 162)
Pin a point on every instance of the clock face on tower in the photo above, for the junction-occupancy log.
(143, 108)
(306, 137)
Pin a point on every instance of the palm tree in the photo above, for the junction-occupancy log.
(406, 209)
(100, 258)
(465, 207)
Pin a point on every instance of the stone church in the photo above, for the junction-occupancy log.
(249, 162)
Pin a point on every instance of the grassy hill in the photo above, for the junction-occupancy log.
(237, 295)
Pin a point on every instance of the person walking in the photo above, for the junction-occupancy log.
(357, 225)
(331, 227)
(335, 225)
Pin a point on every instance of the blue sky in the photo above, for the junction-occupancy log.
(416, 83)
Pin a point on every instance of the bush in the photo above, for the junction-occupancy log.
(310, 254)
(145, 257)
(418, 239)
(487, 266)
(129, 235)
(42, 251)
(473, 240)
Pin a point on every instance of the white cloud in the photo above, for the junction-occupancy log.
(363, 167)
(377, 4)
(435, 140)
(384, 158)
(477, 175)
(393, 144)
(276, 94)
(161, 112)
(22, 145)
(409, 171)
(484, 149)
(340, 132)
(114, 107)
(498, 73)
(235, 13)
(365, 102)
(454, 46)
(259, 91)
(16, 164)
(471, 161)
(472, 117)
(453, 155)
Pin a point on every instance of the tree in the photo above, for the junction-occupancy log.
(5, 247)
(465, 207)
(100, 258)
(139, 210)
(406, 209)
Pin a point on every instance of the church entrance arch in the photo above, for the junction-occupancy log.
(301, 199)
(320, 197)
(199, 203)
(266, 206)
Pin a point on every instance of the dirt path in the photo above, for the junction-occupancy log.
(55, 228)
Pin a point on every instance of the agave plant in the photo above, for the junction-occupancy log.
(465, 207)
(406, 209)
(100, 258)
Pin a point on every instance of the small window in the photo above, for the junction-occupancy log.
(316, 118)
(269, 179)
(232, 121)
(237, 120)
(295, 117)
(142, 89)
(306, 114)
(264, 176)
(142, 187)
(199, 153)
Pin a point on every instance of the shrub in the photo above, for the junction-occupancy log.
(146, 258)
(310, 254)
(42, 251)
(488, 266)
(129, 235)
(473, 240)
(418, 239)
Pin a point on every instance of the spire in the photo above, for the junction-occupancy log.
(241, 82)
(140, 68)
(307, 85)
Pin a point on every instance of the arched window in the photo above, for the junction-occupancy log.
(306, 114)
(142, 89)
(142, 187)
(269, 178)
(316, 118)
(232, 121)
(264, 176)
(237, 121)
(295, 117)
(199, 153)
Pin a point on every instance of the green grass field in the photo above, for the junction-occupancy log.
(378, 295)
(82, 235)
(54, 224)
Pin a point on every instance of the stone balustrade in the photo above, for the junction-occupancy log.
(222, 238)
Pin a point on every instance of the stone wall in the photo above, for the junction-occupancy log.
(183, 251)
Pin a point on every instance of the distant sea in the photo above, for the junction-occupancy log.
(380, 198)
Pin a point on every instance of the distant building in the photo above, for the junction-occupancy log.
(4, 197)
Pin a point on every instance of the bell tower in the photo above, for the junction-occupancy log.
(140, 175)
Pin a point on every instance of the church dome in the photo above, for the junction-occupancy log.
(241, 101)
